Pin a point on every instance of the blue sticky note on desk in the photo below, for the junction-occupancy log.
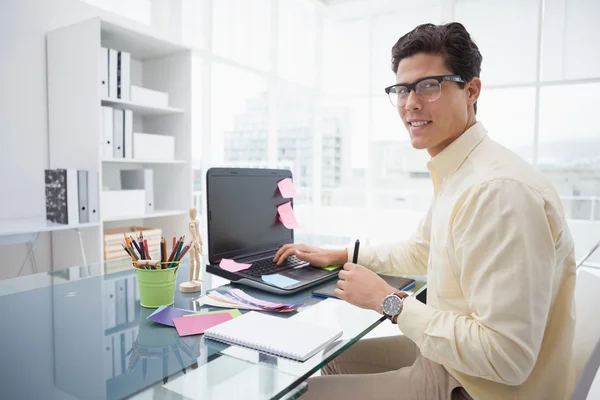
(279, 280)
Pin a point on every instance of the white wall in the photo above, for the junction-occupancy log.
(23, 113)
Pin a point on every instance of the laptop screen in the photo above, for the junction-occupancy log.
(242, 212)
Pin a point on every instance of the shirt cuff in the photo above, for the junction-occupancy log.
(414, 318)
(364, 255)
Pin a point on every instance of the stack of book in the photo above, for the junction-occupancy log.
(114, 237)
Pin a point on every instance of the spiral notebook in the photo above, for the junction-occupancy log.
(279, 336)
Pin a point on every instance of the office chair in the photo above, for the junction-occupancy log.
(583, 389)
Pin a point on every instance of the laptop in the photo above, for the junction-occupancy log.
(243, 225)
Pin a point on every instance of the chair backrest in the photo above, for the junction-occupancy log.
(587, 326)
(588, 385)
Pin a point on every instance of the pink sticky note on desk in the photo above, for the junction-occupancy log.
(197, 324)
(232, 266)
(286, 187)
(287, 216)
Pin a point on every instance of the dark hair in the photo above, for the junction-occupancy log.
(451, 41)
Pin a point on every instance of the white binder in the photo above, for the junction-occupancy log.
(118, 136)
(103, 60)
(82, 186)
(93, 197)
(136, 179)
(130, 299)
(118, 354)
(107, 132)
(110, 302)
(72, 197)
(113, 65)
(107, 355)
(124, 72)
(128, 134)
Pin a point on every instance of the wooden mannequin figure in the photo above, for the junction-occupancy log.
(192, 285)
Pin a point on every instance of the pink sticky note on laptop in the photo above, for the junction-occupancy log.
(197, 324)
(286, 215)
(232, 266)
(287, 189)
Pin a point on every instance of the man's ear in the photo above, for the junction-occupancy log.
(473, 89)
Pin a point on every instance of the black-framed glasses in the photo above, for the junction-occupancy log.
(428, 89)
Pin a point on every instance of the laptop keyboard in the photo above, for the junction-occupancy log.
(267, 266)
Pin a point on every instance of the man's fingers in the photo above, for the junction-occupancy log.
(308, 257)
(285, 255)
(340, 294)
(281, 250)
(348, 266)
(343, 274)
(341, 284)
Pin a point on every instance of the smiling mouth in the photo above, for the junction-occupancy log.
(419, 123)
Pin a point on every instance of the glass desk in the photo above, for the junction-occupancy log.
(68, 335)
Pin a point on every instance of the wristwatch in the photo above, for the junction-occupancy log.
(392, 305)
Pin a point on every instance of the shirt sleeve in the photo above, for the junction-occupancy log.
(505, 259)
(409, 257)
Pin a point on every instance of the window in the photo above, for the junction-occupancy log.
(509, 117)
(242, 31)
(239, 133)
(569, 40)
(569, 146)
(346, 57)
(296, 50)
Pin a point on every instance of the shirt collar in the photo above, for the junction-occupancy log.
(451, 158)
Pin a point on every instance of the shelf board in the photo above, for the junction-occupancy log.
(34, 225)
(139, 161)
(143, 44)
(140, 109)
(156, 214)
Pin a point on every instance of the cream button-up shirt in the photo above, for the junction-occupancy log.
(500, 266)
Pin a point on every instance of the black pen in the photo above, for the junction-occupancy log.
(355, 256)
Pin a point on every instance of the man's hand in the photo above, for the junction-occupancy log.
(315, 256)
(362, 287)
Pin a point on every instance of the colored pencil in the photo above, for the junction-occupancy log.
(146, 249)
(162, 252)
(184, 252)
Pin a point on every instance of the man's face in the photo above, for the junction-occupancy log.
(434, 125)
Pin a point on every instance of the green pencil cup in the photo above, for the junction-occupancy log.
(157, 286)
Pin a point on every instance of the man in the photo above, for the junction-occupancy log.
(499, 318)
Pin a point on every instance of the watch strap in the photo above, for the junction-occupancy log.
(402, 295)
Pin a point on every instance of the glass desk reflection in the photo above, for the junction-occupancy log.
(85, 336)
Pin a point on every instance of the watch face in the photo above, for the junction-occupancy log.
(392, 305)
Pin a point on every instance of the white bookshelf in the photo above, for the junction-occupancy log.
(155, 214)
(75, 132)
(140, 109)
(140, 161)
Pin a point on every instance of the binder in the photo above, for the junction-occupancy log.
(82, 186)
(130, 300)
(107, 355)
(93, 196)
(110, 304)
(113, 64)
(103, 60)
(118, 126)
(107, 132)
(117, 354)
(128, 134)
(62, 204)
(136, 179)
(72, 197)
(121, 302)
(124, 75)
